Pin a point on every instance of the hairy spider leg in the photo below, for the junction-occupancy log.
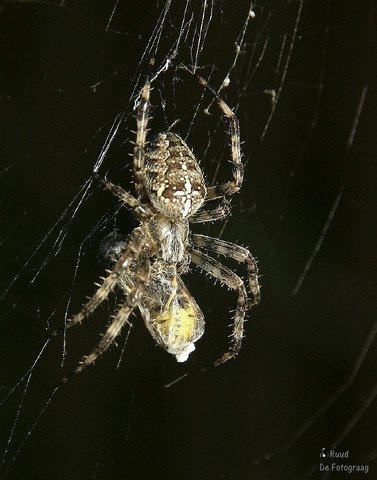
(236, 252)
(218, 213)
(142, 118)
(228, 188)
(130, 252)
(234, 282)
(121, 317)
(142, 212)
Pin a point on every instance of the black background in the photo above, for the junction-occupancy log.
(309, 182)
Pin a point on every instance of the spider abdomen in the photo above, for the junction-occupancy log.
(174, 180)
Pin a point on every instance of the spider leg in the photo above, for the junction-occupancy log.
(218, 213)
(241, 254)
(234, 282)
(130, 253)
(228, 188)
(141, 211)
(142, 117)
(121, 317)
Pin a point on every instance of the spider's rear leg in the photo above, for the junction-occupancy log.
(236, 252)
(140, 210)
(142, 117)
(228, 188)
(234, 282)
(121, 317)
(220, 212)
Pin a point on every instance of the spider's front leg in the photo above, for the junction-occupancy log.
(128, 254)
(234, 282)
(121, 318)
(236, 252)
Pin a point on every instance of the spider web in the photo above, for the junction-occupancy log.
(301, 76)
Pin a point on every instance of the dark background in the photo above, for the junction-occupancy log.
(306, 375)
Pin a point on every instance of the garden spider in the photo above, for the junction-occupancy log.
(170, 190)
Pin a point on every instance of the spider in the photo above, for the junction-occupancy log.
(148, 264)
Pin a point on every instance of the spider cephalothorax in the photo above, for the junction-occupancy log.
(148, 264)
